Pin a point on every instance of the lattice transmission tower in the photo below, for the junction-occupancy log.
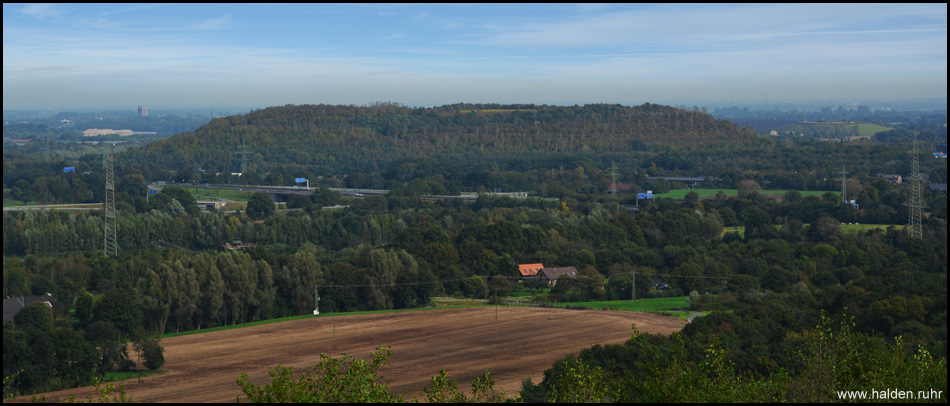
(242, 150)
(915, 204)
(111, 245)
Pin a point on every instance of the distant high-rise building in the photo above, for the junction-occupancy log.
(143, 111)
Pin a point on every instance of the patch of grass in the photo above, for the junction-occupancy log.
(861, 228)
(641, 305)
(121, 376)
(15, 203)
(451, 301)
(205, 194)
(869, 129)
(738, 229)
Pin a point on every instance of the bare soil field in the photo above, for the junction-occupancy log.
(521, 343)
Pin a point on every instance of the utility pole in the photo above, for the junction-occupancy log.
(633, 287)
(613, 177)
(316, 301)
(844, 185)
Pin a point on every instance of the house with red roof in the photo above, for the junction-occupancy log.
(529, 270)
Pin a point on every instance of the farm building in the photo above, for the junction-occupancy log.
(893, 178)
(550, 275)
(12, 306)
(528, 270)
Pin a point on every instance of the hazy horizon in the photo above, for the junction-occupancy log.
(118, 56)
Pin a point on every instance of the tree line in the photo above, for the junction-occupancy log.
(175, 274)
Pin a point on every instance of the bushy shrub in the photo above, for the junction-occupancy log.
(154, 355)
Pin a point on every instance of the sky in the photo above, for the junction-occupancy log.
(61, 56)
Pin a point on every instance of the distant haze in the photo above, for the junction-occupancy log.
(78, 56)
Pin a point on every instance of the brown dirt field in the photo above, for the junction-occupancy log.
(521, 343)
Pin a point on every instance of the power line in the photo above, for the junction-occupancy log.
(511, 277)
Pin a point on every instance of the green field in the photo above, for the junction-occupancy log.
(641, 305)
(681, 193)
(832, 129)
(860, 228)
(868, 129)
(235, 195)
(15, 203)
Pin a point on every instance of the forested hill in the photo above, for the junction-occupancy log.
(345, 139)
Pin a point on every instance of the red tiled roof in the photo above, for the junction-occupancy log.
(529, 269)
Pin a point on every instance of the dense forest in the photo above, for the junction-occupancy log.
(772, 288)
(335, 140)
(457, 148)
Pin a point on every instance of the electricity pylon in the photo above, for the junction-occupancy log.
(915, 204)
(111, 245)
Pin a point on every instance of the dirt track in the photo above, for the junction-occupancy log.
(521, 343)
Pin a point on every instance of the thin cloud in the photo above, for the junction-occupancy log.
(42, 11)
(218, 23)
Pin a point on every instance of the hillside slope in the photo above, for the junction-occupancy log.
(328, 140)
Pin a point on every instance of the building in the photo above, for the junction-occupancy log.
(143, 111)
(528, 270)
(550, 275)
(894, 179)
(12, 306)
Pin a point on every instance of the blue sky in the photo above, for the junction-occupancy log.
(176, 56)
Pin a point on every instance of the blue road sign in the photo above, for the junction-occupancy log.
(300, 180)
(69, 169)
(641, 196)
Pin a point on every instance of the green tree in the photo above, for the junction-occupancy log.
(691, 196)
(171, 193)
(578, 382)
(84, 304)
(323, 197)
(153, 353)
(36, 315)
(259, 206)
(445, 390)
(119, 306)
(332, 380)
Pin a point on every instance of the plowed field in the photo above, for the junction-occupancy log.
(521, 343)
